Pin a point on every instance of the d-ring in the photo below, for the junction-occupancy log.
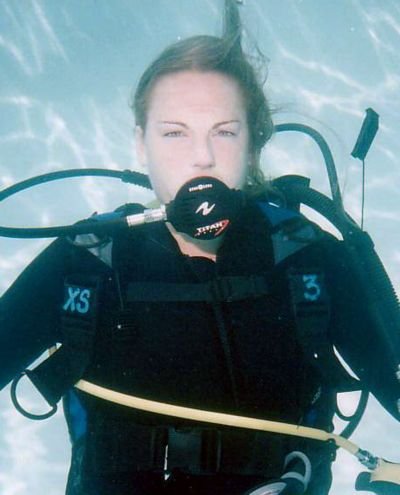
(18, 406)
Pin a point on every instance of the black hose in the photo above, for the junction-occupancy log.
(128, 176)
(298, 191)
(84, 227)
(326, 153)
(355, 418)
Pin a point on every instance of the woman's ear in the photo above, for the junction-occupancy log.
(140, 147)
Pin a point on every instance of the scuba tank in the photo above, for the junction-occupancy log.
(377, 289)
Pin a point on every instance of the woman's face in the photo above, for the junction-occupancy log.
(196, 126)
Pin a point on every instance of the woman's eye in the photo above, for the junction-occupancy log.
(173, 133)
(225, 132)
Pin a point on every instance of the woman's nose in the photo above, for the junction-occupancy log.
(203, 153)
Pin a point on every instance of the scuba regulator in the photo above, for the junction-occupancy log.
(204, 208)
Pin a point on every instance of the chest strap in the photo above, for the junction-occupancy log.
(220, 289)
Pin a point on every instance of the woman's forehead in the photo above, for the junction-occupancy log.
(196, 91)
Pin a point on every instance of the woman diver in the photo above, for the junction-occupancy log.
(210, 310)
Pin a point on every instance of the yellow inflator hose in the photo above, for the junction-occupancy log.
(214, 417)
(381, 469)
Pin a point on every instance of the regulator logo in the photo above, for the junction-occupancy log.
(200, 187)
(205, 208)
(216, 228)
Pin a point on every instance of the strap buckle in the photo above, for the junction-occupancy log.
(194, 450)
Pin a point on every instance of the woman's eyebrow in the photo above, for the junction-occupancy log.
(224, 122)
(172, 122)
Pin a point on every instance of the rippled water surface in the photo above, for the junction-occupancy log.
(67, 71)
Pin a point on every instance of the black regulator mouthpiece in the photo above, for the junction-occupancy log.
(204, 208)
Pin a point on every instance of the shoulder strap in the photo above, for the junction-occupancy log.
(78, 323)
(59, 372)
(292, 232)
(311, 308)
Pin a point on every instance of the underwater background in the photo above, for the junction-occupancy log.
(67, 70)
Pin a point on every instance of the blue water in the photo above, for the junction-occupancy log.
(67, 70)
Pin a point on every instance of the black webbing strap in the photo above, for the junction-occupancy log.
(221, 289)
(58, 373)
(311, 307)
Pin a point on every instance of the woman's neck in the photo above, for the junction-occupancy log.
(193, 247)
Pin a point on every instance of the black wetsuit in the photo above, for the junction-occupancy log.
(239, 356)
